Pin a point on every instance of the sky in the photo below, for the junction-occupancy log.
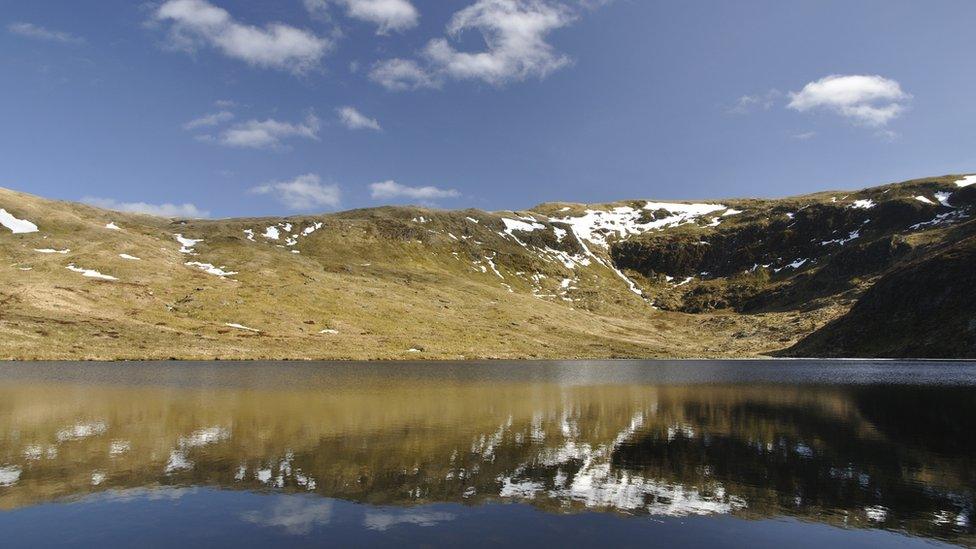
(219, 108)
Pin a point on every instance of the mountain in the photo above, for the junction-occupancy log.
(885, 271)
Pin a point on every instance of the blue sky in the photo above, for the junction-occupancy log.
(228, 108)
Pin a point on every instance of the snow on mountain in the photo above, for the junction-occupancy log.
(16, 225)
(623, 221)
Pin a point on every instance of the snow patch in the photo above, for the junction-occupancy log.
(111, 225)
(921, 198)
(130, 257)
(850, 236)
(940, 219)
(796, 264)
(518, 225)
(90, 273)
(943, 198)
(731, 211)
(864, 204)
(210, 269)
(329, 331)
(51, 251)
(491, 263)
(249, 234)
(964, 182)
(187, 244)
(630, 283)
(16, 225)
(312, 228)
(623, 221)
(271, 233)
(241, 327)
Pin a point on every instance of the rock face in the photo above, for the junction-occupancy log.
(925, 308)
(877, 272)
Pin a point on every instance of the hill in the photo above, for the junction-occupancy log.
(885, 271)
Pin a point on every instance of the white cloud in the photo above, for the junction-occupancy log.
(514, 32)
(385, 190)
(305, 192)
(318, 9)
(402, 74)
(207, 120)
(278, 46)
(355, 120)
(30, 30)
(749, 103)
(267, 134)
(870, 100)
(395, 15)
(161, 210)
(804, 136)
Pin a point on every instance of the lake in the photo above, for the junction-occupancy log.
(613, 453)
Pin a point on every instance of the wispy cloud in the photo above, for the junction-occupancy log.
(37, 32)
(887, 135)
(355, 120)
(384, 520)
(804, 136)
(514, 32)
(387, 15)
(161, 210)
(194, 23)
(750, 103)
(303, 193)
(869, 100)
(266, 134)
(208, 120)
(294, 516)
(402, 74)
(386, 190)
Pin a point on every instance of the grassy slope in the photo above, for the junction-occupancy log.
(385, 283)
(384, 280)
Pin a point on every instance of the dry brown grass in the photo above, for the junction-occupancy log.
(385, 283)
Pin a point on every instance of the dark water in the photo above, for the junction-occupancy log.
(628, 453)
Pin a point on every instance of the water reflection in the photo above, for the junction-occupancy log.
(880, 456)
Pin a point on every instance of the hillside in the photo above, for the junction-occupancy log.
(829, 274)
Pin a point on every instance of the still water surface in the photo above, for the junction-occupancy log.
(628, 453)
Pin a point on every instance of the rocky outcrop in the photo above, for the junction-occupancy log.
(926, 308)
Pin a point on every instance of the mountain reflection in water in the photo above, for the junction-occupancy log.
(892, 456)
